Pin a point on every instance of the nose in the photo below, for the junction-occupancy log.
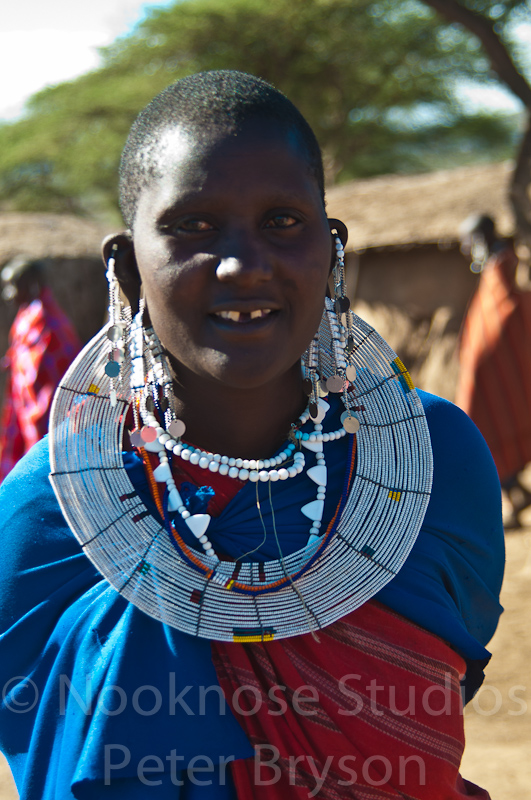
(245, 264)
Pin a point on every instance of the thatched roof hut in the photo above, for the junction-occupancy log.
(403, 210)
(48, 236)
(71, 248)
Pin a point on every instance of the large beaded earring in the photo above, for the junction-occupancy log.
(336, 339)
(116, 329)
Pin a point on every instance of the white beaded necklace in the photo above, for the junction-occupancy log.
(361, 550)
(253, 470)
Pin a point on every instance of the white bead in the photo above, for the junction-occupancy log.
(210, 552)
(318, 474)
(203, 539)
(239, 463)
(267, 463)
(224, 460)
(185, 455)
(224, 468)
(198, 523)
(243, 474)
(170, 444)
(263, 475)
(213, 466)
(177, 449)
(159, 431)
(292, 471)
(194, 458)
(283, 474)
(326, 437)
(313, 510)
(217, 457)
(273, 475)
(233, 472)
(153, 447)
(253, 476)
(204, 462)
(163, 438)
(246, 463)
(162, 473)
(174, 500)
(253, 464)
(184, 514)
(232, 462)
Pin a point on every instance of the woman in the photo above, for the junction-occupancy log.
(268, 531)
(496, 340)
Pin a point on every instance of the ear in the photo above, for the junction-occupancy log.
(340, 228)
(337, 228)
(120, 247)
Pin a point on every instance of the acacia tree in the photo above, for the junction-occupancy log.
(374, 79)
(488, 21)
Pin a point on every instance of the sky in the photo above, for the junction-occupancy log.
(43, 42)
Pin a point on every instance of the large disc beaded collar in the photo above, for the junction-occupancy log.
(343, 565)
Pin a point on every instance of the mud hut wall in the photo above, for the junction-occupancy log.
(416, 298)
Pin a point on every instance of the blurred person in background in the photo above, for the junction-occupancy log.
(42, 344)
(494, 386)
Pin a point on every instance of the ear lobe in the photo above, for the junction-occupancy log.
(120, 247)
(337, 228)
(340, 227)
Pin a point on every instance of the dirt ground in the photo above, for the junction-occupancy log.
(498, 721)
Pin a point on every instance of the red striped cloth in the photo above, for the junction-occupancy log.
(42, 344)
(372, 711)
(494, 386)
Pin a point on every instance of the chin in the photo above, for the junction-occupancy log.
(253, 374)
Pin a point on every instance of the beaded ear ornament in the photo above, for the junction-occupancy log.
(342, 565)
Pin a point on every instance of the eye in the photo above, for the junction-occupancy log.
(281, 221)
(188, 225)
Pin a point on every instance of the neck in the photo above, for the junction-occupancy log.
(245, 423)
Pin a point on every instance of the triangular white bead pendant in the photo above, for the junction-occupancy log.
(153, 447)
(318, 475)
(323, 407)
(315, 446)
(313, 510)
(174, 500)
(162, 473)
(198, 523)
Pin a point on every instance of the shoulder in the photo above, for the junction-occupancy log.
(32, 526)
(465, 500)
(459, 449)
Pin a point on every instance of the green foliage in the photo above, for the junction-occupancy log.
(374, 79)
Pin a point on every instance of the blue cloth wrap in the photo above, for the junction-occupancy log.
(74, 655)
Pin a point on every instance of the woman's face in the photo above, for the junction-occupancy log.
(234, 249)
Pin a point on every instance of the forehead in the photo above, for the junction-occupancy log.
(263, 151)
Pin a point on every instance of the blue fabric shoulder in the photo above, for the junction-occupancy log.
(451, 581)
(84, 672)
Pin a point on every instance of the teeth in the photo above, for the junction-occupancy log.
(234, 316)
(237, 316)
